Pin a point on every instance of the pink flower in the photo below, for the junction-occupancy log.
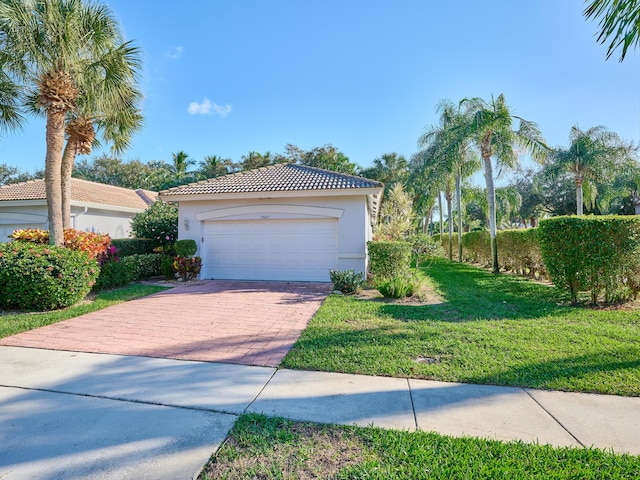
(167, 237)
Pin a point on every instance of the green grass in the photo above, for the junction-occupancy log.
(489, 329)
(13, 323)
(274, 448)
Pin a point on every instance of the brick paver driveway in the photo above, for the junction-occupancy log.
(251, 323)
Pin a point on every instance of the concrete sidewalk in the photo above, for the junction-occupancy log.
(75, 415)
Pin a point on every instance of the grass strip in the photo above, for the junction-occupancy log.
(275, 448)
(14, 323)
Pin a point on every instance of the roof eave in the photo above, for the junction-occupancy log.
(197, 197)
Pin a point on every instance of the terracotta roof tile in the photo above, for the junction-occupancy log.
(82, 191)
(281, 177)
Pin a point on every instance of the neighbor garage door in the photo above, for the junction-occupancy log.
(299, 250)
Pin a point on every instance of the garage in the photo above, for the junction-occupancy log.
(283, 222)
(288, 249)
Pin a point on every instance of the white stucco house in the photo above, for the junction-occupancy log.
(95, 207)
(281, 222)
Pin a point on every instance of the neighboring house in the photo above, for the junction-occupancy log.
(95, 207)
(281, 222)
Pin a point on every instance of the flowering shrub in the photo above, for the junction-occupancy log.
(43, 277)
(93, 244)
(187, 268)
(159, 222)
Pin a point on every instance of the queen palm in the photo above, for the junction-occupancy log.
(592, 155)
(619, 20)
(181, 164)
(54, 50)
(489, 126)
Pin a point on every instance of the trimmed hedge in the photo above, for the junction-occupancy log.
(389, 259)
(145, 265)
(185, 248)
(133, 246)
(114, 274)
(595, 254)
(42, 277)
(476, 247)
(519, 252)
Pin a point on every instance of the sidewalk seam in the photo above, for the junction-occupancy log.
(261, 390)
(413, 406)
(554, 417)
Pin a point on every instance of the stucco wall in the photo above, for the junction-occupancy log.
(353, 225)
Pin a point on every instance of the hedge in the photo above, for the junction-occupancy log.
(388, 258)
(133, 246)
(519, 252)
(43, 277)
(145, 265)
(595, 254)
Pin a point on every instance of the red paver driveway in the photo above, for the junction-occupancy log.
(251, 323)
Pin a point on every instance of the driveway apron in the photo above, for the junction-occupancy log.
(249, 323)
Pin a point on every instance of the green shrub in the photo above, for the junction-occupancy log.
(42, 277)
(185, 248)
(476, 247)
(347, 281)
(389, 259)
(145, 265)
(133, 246)
(166, 267)
(114, 274)
(159, 222)
(423, 247)
(595, 254)
(397, 287)
(519, 251)
(187, 268)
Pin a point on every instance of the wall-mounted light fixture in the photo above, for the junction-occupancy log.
(185, 222)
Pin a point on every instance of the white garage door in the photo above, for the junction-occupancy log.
(298, 250)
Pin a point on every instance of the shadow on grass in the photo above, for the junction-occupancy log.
(470, 293)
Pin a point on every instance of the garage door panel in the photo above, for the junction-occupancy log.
(301, 250)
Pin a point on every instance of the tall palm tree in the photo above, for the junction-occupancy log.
(489, 125)
(452, 152)
(10, 114)
(215, 166)
(592, 155)
(53, 50)
(619, 20)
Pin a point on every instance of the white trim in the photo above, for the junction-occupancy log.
(22, 218)
(96, 206)
(196, 197)
(260, 211)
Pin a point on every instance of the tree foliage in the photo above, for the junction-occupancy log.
(619, 23)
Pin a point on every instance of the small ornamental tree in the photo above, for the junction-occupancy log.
(159, 222)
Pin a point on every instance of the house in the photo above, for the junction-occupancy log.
(281, 222)
(95, 207)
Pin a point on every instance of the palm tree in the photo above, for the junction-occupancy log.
(181, 164)
(54, 50)
(455, 158)
(215, 166)
(10, 115)
(619, 20)
(489, 126)
(592, 155)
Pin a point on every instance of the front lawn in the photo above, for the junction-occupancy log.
(274, 448)
(488, 329)
(12, 323)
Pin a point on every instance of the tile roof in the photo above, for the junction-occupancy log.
(282, 177)
(82, 191)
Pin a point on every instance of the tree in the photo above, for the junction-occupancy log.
(329, 158)
(10, 115)
(397, 215)
(454, 158)
(134, 174)
(181, 163)
(54, 50)
(214, 166)
(389, 168)
(619, 22)
(489, 126)
(592, 156)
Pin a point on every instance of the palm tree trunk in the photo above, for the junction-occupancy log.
(68, 158)
(52, 174)
(450, 222)
(491, 200)
(459, 201)
(579, 197)
(441, 216)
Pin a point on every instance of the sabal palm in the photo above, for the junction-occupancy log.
(10, 114)
(54, 50)
(592, 155)
(489, 125)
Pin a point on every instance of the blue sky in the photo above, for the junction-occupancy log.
(228, 77)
